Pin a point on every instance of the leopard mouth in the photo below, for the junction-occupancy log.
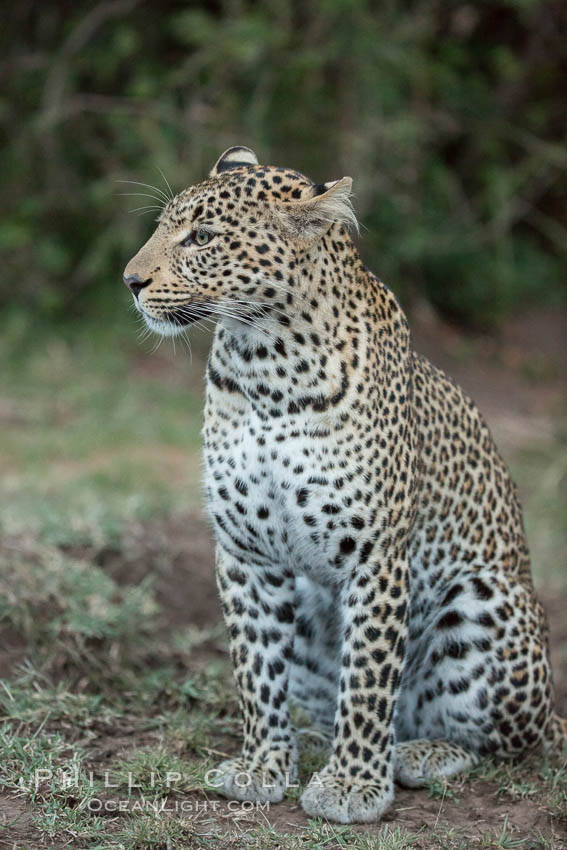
(186, 316)
(172, 322)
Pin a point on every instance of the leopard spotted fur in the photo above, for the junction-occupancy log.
(371, 557)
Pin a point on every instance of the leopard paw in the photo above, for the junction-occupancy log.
(418, 762)
(346, 800)
(259, 781)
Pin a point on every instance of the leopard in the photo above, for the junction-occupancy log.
(371, 558)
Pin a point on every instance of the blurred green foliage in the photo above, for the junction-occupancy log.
(450, 116)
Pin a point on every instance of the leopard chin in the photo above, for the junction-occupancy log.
(163, 327)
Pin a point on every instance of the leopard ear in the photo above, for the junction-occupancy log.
(308, 219)
(233, 158)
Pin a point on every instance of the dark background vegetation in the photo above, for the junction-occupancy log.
(450, 116)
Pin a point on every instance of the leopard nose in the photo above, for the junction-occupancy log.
(135, 283)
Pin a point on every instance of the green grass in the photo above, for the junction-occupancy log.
(157, 772)
(319, 835)
(54, 747)
(70, 612)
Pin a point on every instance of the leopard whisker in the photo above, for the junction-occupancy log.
(238, 317)
(299, 295)
(186, 340)
(171, 195)
(142, 210)
(160, 201)
(271, 307)
(164, 196)
(196, 323)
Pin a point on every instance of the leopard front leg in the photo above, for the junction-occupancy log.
(259, 613)
(357, 785)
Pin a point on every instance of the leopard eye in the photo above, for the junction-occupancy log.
(201, 237)
(198, 237)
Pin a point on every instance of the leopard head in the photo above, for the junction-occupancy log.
(233, 244)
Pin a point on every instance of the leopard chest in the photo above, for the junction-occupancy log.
(283, 492)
